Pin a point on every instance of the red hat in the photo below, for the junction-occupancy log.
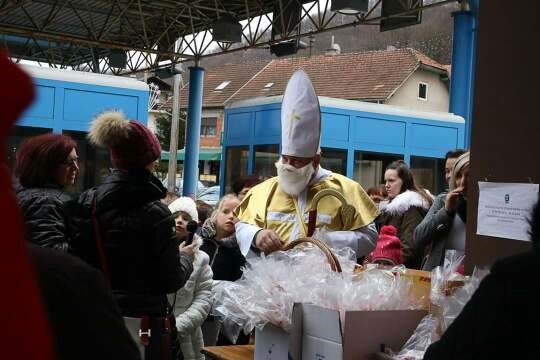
(388, 246)
(132, 145)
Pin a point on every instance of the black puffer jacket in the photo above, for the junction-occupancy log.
(499, 320)
(140, 245)
(226, 260)
(85, 321)
(45, 216)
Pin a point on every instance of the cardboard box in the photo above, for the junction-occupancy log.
(273, 343)
(363, 332)
(421, 286)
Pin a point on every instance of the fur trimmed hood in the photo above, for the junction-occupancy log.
(404, 201)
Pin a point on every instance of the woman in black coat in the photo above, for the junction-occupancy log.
(46, 165)
(133, 240)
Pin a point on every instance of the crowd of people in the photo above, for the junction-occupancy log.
(133, 267)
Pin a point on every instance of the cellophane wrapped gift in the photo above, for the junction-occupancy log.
(448, 301)
(272, 284)
(423, 336)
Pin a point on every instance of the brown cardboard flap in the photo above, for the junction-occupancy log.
(365, 331)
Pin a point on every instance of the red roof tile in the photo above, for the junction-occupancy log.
(371, 75)
(237, 74)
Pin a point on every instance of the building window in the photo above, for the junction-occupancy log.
(369, 167)
(208, 126)
(422, 91)
(334, 160)
(268, 86)
(236, 165)
(222, 86)
(428, 173)
(265, 158)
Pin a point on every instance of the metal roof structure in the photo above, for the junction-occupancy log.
(86, 34)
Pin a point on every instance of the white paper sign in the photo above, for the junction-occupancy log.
(504, 209)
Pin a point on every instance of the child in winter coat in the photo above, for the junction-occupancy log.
(219, 241)
(193, 302)
(226, 260)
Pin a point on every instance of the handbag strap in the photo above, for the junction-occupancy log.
(99, 243)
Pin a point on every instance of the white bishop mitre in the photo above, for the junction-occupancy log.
(300, 117)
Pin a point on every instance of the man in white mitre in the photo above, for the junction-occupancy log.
(273, 213)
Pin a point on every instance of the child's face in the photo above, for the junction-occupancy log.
(225, 218)
(181, 223)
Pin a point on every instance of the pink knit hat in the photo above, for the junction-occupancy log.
(388, 246)
(132, 145)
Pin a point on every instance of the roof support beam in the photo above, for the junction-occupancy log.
(82, 40)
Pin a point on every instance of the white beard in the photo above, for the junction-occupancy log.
(292, 180)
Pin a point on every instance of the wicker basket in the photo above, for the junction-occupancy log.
(332, 259)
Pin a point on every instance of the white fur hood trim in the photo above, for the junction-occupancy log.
(404, 201)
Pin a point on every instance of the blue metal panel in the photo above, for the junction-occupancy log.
(43, 105)
(350, 162)
(193, 131)
(335, 126)
(63, 105)
(267, 123)
(431, 137)
(378, 131)
(80, 107)
(239, 127)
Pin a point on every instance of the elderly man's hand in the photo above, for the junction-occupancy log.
(267, 241)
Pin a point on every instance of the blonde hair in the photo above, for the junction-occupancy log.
(220, 204)
(461, 163)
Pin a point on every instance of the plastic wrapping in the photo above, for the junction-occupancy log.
(443, 277)
(423, 336)
(453, 305)
(450, 291)
(272, 284)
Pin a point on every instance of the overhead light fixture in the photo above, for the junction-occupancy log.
(167, 72)
(288, 47)
(117, 59)
(350, 7)
(226, 29)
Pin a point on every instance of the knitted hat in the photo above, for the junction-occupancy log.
(132, 145)
(187, 205)
(388, 246)
(461, 162)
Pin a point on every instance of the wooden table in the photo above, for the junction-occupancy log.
(233, 352)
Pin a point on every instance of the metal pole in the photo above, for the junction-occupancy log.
(193, 131)
(171, 177)
(463, 68)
